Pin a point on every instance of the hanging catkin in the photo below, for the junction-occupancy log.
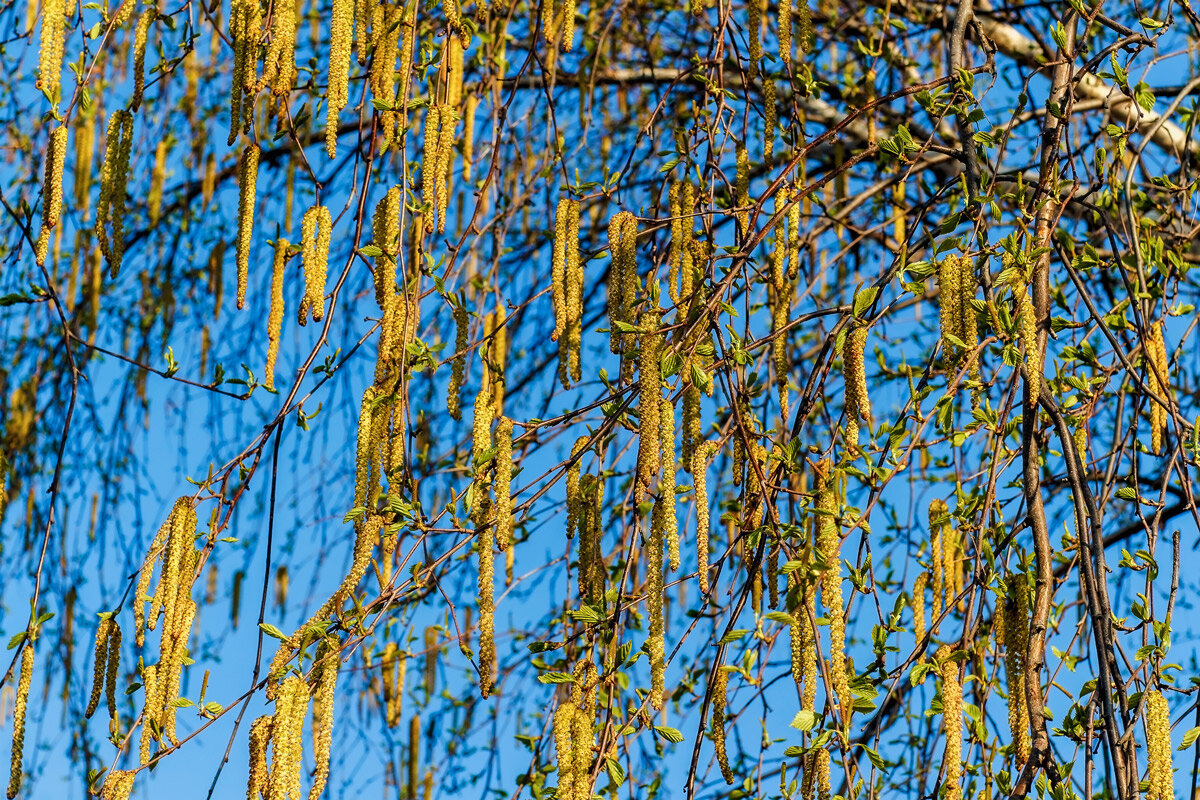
(19, 709)
(1158, 372)
(287, 739)
(110, 209)
(118, 785)
(567, 291)
(103, 631)
(341, 37)
(741, 186)
(279, 66)
(828, 542)
(719, 689)
(1160, 773)
(564, 747)
(247, 186)
(952, 708)
(259, 739)
(50, 48)
(385, 231)
(666, 483)
(245, 29)
(140, 37)
(385, 40)
(1026, 325)
(858, 403)
(458, 366)
(52, 191)
(503, 485)
(1016, 642)
(324, 690)
(275, 318)
(315, 230)
(655, 598)
(700, 456)
(649, 399)
(485, 544)
(623, 277)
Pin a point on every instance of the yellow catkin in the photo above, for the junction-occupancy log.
(118, 785)
(918, 608)
(1016, 641)
(700, 455)
(1160, 773)
(341, 37)
(858, 403)
(649, 402)
(445, 150)
(558, 273)
(666, 484)
(785, 31)
(1027, 330)
(52, 191)
(22, 703)
(259, 739)
(824, 780)
(655, 599)
(316, 229)
(324, 690)
(247, 188)
(404, 72)
(279, 66)
(952, 708)
(158, 176)
(103, 631)
(140, 36)
(623, 278)
(568, 292)
(50, 48)
(386, 33)
(829, 551)
(275, 318)
(114, 174)
(151, 713)
(719, 689)
(245, 29)
(754, 32)
(574, 498)
(583, 725)
(939, 515)
(458, 367)
(1158, 374)
(287, 739)
(741, 187)
(503, 487)
(564, 719)
(485, 544)
(366, 452)
(112, 669)
(385, 228)
(414, 754)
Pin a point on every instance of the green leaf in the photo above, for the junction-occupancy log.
(733, 636)
(670, 734)
(556, 677)
(272, 631)
(1189, 739)
(616, 772)
(804, 720)
(863, 300)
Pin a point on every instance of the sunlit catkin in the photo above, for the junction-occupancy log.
(279, 66)
(111, 670)
(568, 293)
(918, 609)
(858, 403)
(1158, 373)
(140, 36)
(485, 544)
(666, 483)
(287, 739)
(1016, 642)
(503, 483)
(1160, 773)
(719, 701)
(247, 186)
(316, 229)
(324, 690)
(564, 719)
(114, 174)
(341, 36)
(1027, 330)
(700, 455)
(151, 713)
(118, 785)
(458, 366)
(259, 739)
(829, 542)
(22, 703)
(103, 631)
(623, 277)
(50, 49)
(952, 708)
(649, 400)
(385, 230)
(741, 187)
(52, 191)
(655, 598)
